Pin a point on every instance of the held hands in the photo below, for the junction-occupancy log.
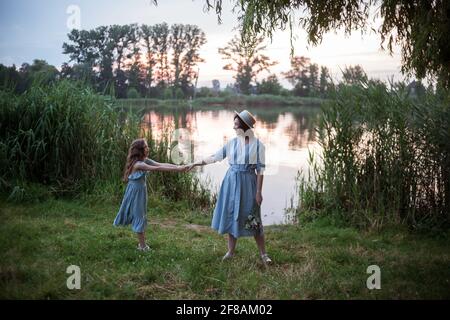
(182, 168)
(190, 166)
(185, 168)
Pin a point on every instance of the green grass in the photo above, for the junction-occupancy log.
(318, 260)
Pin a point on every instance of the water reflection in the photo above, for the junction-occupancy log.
(287, 133)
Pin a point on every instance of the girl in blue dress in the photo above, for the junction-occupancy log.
(241, 189)
(133, 209)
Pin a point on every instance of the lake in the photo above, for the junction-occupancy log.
(287, 132)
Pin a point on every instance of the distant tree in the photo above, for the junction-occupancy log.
(216, 86)
(120, 84)
(78, 72)
(167, 93)
(105, 54)
(161, 69)
(270, 85)
(246, 59)
(314, 85)
(88, 49)
(285, 92)
(148, 35)
(325, 81)
(354, 75)
(132, 93)
(195, 39)
(122, 37)
(230, 89)
(185, 42)
(298, 76)
(40, 71)
(10, 78)
(136, 69)
(177, 42)
(416, 89)
(204, 92)
(179, 94)
(161, 47)
(82, 49)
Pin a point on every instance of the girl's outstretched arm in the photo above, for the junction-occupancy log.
(158, 164)
(161, 167)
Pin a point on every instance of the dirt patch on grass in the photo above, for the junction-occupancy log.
(198, 228)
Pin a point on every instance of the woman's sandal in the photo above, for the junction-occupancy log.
(266, 259)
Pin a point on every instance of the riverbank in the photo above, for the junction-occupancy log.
(318, 260)
(264, 100)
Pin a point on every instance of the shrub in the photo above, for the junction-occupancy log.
(133, 94)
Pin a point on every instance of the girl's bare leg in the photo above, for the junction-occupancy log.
(141, 238)
(231, 244)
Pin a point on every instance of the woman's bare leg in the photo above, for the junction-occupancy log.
(259, 238)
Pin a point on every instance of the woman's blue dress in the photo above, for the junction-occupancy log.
(133, 209)
(238, 190)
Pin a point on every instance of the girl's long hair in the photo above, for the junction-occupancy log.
(135, 153)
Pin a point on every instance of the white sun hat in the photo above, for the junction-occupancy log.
(247, 117)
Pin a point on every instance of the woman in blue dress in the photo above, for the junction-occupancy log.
(241, 189)
(133, 209)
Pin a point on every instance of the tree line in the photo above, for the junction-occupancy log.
(155, 61)
(143, 59)
(245, 56)
(159, 61)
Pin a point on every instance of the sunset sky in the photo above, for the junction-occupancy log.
(37, 29)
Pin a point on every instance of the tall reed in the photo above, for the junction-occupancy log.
(71, 140)
(386, 157)
(61, 135)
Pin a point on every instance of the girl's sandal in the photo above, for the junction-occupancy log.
(227, 256)
(146, 248)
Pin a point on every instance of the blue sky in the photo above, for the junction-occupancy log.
(37, 29)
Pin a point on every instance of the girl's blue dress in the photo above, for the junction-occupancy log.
(133, 209)
(238, 190)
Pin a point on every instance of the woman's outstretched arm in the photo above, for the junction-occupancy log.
(218, 156)
(204, 162)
